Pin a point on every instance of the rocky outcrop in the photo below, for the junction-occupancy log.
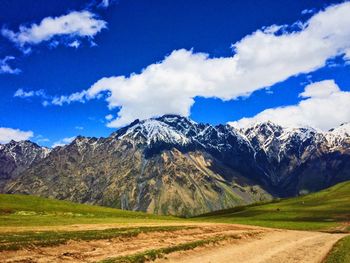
(16, 157)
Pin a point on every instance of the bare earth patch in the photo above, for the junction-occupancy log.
(81, 227)
(278, 246)
(255, 244)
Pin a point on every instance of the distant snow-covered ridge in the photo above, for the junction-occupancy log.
(174, 162)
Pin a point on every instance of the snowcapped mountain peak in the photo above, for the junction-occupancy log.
(342, 130)
(269, 129)
(300, 134)
(278, 142)
(172, 118)
(153, 130)
(268, 138)
(266, 125)
(263, 135)
(264, 129)
(176, 151)
(180, 131)
(26, 145)
(182, 124)
(338, 137)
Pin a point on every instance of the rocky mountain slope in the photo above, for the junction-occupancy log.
(172, 165)
(300, 160)
(16, 157)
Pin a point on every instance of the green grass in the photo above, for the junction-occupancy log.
(340, 253)
(323, 210)
(29, 211)
(18, 240)
(25, 210)
(153, 254)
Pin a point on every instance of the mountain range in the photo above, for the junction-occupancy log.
(173, 165)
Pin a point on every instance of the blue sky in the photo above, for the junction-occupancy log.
(84, 46)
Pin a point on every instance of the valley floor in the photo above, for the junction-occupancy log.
(180, 242)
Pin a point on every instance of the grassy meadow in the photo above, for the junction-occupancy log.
(327, 210)
(25, 213)
(324, 210)
(25, 210)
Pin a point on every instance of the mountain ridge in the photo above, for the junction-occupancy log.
(173, 165)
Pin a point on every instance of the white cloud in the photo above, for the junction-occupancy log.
(63, 141)
(320, 89)
(40, 139)
(73, 25)
(74, 44)
(6, 68)
(325, 107)
(347, 56)
(109, 117)
(104, 3)
(264, 58)
(308, 11)
(79, 128)
(77, 96)
(32, 93)
(43, 140)
(8, 134)
(50, 100)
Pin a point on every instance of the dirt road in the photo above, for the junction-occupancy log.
(272, 247)
(254, 245)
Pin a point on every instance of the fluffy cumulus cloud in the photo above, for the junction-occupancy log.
(320, 89)
(8, 134)
(5, 66)
(324, 107)
(261, 59)
(63, 141)
(72, 26)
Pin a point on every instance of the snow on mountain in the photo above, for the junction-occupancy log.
(151, 164)
(263, 136)
(153, 131)
(15, 157)
(276, 140)
(273, 140)
(182, 124)
(181, 131)
(24, 151)
(338, 137)
(343, 130)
